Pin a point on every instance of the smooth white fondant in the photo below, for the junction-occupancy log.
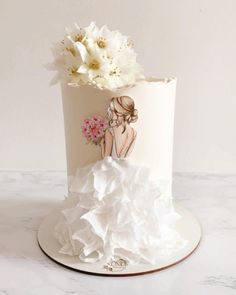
(115, 210)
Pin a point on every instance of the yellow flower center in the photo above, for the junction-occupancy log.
(78, 38)
(101, 42)
(94, 64)
(71, 50)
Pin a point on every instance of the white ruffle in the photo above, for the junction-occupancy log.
(115, 210)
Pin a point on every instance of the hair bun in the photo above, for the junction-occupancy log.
(134, 116)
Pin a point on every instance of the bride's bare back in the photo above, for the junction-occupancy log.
(120, 137)
(119, 142)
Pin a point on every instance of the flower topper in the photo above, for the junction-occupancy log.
(94, 56)
(94, 128)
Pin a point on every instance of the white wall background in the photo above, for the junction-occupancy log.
(193, 40)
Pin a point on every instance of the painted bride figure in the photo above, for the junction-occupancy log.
(114, 210)
(120, 136)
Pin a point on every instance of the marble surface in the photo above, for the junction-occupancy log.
(26, 197)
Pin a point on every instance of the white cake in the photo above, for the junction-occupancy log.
(119, 203)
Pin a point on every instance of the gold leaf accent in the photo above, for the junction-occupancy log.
(73, 71)
(130, 44)
(71, 50)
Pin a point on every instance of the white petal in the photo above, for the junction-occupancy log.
(83, 69)
(82, 50)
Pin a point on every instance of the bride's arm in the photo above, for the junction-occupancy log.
(107, 144)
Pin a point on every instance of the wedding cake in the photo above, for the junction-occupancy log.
(119, 140)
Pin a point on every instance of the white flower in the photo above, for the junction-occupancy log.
(96, 56)
(94, 65)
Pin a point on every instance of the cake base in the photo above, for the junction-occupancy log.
(188, 227)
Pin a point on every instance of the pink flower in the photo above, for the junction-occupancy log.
(94, 128)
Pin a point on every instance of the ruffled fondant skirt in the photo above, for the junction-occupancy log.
(115, 210)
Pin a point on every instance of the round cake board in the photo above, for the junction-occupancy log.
(188, 227)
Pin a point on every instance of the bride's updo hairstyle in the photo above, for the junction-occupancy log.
(123, 106)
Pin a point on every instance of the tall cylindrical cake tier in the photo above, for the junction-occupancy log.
(155, 101)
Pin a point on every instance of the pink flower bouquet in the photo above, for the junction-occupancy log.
(94, 128)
